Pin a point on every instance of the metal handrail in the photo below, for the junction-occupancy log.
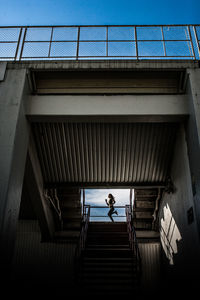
(103, 216)
(133, 239)
(23, 40)
(84, 228)
(82, 238)
(55, 206)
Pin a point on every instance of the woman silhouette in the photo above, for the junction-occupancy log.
(110, 202)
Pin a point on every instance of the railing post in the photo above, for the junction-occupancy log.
(23, 41)
(197, 40)
(78, 42)
(136, 43)
(18, 43)
(83, 202)
(191, 43)
(50, 43)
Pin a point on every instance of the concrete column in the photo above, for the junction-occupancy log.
(14, 135)
(193, 136)
(194, 82)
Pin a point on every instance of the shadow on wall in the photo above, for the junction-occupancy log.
(169, 234)
(179, 267)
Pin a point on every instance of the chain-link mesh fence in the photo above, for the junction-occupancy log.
(100, 42)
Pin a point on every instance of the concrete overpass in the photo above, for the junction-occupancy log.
(99, 123)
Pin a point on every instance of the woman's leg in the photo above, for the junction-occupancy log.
(110, 213)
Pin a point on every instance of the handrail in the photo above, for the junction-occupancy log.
(106, 207)
(84, 228)
(51, 195)
(133, 239)
(82, 238)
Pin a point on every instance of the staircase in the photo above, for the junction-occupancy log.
(70, 208)
(146, 204)
(108, 266)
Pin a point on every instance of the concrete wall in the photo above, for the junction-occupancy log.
(41, 267)
(178, 231)
(14, 136)
(193, 136)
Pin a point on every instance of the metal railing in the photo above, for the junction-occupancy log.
(103, 216)
(137, 42)
(133, 239)
(84, 229)
(82, 239)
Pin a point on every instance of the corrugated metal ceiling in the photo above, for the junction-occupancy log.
(104, 152)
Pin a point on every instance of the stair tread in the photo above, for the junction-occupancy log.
(108, 276)
(110, 271)
(108, 249)
(110, 258)
(63, 234)
(108, 263)
(106, 246)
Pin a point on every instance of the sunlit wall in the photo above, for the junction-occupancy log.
(178, 228)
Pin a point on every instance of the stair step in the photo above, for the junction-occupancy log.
(108, 253)
(108, 233)
(107, 227)
(107, 263)
(144, 214)
(72, 213)
(107, 246)
(70, 204)
(112, 289)
(108, 269)
(106, 241)
(108, 259)
(144, 204)
(108, 285)
(71, 225)
(107, 236)
(107, 276)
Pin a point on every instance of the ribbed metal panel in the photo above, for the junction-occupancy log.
(150, 255)
(104, 152)
(34, 260)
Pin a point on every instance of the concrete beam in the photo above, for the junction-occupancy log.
(99, 65)
(120, 107)
(34, 182)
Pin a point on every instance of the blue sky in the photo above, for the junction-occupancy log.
(94, 197)
(98, 12)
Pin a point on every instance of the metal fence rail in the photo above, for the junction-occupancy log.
(100, 42)
(99, 213)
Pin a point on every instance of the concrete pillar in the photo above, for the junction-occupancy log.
(194, 82)
(14, 135)
(193, 136)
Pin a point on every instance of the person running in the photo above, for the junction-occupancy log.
(110, 202)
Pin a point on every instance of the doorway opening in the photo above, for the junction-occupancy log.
(95, 199)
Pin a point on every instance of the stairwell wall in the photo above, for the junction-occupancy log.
(177, 221)
(41, 266)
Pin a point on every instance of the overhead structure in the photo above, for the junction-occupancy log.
(105, 153)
